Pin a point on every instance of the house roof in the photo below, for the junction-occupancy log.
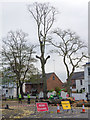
(48, 75)
(78, 75)
(87, 64)
(39, 80)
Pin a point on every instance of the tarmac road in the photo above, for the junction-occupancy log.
(28, 111)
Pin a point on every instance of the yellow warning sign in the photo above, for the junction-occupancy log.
(66, 105)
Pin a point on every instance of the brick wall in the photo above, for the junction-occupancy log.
(53, 82)
(28, 87)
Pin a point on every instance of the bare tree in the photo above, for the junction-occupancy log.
(44, 15)
(17, 54)
(8, 76)
(71, 48)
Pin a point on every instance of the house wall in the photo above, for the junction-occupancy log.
(52, 84)
(86, 80)
(40, 88)
(78, 85)
(28, 87)
(10, 88)
(11, 92)
(87, 77)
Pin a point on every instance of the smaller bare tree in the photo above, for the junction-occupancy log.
(72, 50)
(18, 55)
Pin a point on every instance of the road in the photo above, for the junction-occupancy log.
(29, 111)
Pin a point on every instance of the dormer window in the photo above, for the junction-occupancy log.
(53, 78)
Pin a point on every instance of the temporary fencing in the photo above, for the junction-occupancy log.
(18, 106)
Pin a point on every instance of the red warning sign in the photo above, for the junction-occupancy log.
(42, 107)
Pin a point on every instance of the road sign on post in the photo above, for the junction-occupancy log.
(42, 106)
(66, 105)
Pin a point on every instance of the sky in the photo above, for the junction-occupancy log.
(73, 15)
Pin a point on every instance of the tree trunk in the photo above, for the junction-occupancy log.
(43, 72)
(68, 85)
(21, 89)
(68, 89)
(17, 91)
(44, 81)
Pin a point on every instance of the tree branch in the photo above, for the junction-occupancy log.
(47, 59)
(38, 57)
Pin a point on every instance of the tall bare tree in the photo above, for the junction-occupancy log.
(44, 15)
(71, 48)
(18, 55)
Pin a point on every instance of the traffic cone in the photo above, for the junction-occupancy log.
(58, 109)
(83, 109)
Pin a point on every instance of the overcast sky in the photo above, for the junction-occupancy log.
(73, 15)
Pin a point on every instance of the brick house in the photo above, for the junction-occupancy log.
(36, 86)
(77, 81)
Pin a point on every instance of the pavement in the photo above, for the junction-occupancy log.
(24, 110)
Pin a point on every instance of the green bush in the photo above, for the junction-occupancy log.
(57, 89)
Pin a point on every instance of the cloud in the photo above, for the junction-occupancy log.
(73, 15)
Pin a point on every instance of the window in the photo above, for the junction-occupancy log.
(80, 82)
(53, 78)
(88, 70)
(6, 91)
